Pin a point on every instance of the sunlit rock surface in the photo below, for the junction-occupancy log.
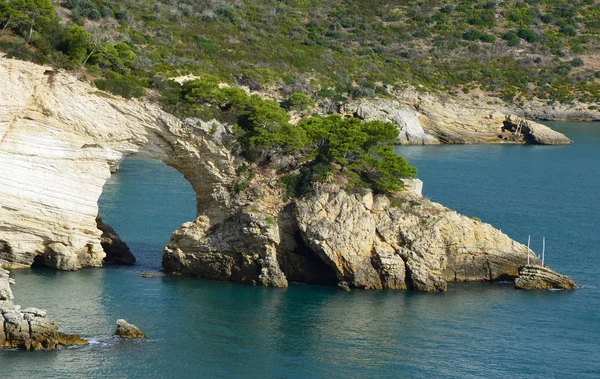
(60, 138)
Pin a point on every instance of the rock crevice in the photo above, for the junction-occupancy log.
(60, 141)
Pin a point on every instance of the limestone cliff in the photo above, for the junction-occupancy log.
(429, 119)
(363, 240)
(60, 138)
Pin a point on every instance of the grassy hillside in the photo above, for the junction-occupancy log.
(516, 50)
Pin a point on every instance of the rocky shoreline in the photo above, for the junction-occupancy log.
(28, 329)
(60, 140)
(426, 119)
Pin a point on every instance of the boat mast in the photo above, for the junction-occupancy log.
(528, 242)
(543, 249)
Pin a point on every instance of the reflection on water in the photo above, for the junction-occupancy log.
(201, 328)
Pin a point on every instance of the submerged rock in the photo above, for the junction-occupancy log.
(535, 277)
(127, 330)
(150, 275)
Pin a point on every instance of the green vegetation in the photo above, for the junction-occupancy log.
(329, 50)
(359, 154)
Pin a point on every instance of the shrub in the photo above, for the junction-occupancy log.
(297, 102)
(508, 96)
(528, 35)
(126, 87)
(255, 79)
(511, 38)
(488, 38)
(577, 62)
(472, 35)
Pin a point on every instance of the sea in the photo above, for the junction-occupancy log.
(208, 329)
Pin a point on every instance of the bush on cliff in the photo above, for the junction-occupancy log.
(325, 147)
(363, 152)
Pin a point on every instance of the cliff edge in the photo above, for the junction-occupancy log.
(60, 139)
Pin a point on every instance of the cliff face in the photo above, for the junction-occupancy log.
(426, 119)
(60, 138)
(363, 240)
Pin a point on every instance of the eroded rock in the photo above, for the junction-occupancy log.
(536, 277)
(28, 329)
(427, 118)
(128, 331)
(534, 132)
(117, 251)
(59, 142)
(419, 244)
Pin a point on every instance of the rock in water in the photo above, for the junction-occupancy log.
(116, 250)
(534, 277)
(535, 133)
(28, 329)
(127, 330)
(343, 286)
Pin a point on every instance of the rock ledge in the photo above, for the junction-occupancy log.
(28, 329)
(533, 277)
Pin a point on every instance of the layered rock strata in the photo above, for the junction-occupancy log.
(60, 139)
(30, 328)
(535, 277)
(425, 119)
(363, 241)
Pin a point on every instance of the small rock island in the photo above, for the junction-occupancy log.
(326, 224)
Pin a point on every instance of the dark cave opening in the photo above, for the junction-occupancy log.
(303, 265)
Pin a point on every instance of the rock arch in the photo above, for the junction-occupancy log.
(61, 138)
(59, 142)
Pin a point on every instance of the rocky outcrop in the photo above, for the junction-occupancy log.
(355, 240)
(410, 130)
(533, 132)
(117, 251)
(416, 244)
(128, 331)
(242, 248)
(30, 328)
(426, 119)
(536, 277)
(59, 140)
(541, 110)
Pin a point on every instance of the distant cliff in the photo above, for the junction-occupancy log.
(60, 139)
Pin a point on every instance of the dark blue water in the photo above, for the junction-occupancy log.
(201, 328)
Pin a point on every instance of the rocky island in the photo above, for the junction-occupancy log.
(60, 139)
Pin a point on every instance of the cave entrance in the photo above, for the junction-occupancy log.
(144, 201)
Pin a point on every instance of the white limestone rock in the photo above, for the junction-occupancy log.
(59, 141)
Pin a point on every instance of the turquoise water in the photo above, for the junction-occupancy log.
(201, 328)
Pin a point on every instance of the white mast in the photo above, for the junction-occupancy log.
(528, 242)
(543, 249)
